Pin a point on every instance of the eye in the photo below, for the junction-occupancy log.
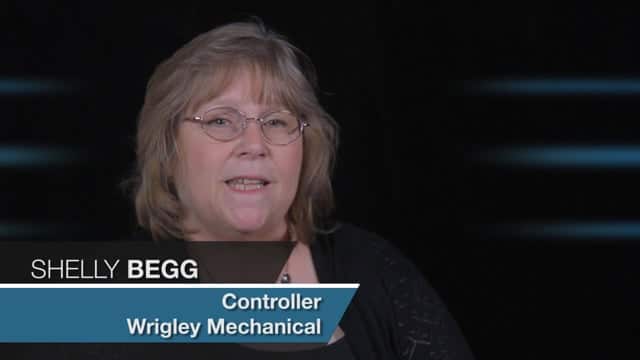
(218, 122)
(276, 123)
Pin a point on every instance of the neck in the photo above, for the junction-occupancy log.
(277, 233)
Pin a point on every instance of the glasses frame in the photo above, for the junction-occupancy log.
(245, 123)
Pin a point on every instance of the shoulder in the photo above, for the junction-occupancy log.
(379, 257)
(362, 248)
(354, 240)
(350, 236)
(362, 256)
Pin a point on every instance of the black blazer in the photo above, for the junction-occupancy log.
(395, 313)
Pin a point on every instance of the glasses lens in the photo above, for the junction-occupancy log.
(281, 127)
(222, 123)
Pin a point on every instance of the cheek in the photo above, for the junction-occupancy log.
(200, 167)
(195, 160)
(204, 169)
(292, 165)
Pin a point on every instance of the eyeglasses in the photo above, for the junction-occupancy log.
(226, 123)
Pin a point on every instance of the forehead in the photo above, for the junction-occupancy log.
(244, 82)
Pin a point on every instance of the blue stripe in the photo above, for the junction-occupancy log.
(556, 86)
(610, 230)
(20, 230)
(568, 156)
(32, 156)
(14, 86)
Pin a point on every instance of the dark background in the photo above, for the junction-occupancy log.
(388, 74)
(520, 293)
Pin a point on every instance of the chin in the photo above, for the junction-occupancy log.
(247, 221)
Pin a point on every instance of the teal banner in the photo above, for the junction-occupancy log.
(214, 313)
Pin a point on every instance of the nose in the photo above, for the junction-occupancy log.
(252, 143)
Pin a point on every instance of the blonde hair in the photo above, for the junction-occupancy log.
(199, 71)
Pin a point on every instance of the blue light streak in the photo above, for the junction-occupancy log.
(568, 156)
(16, 86)
(556, 86)
(32, 156)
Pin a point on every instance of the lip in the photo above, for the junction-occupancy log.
(250, 177)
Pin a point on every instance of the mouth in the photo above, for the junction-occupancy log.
(247, 184)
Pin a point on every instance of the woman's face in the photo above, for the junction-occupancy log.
(209, 170)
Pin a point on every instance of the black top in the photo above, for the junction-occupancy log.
(395, 313)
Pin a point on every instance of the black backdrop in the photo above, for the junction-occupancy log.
(404, 75)
(536, 260)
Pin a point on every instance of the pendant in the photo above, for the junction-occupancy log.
(285, 278)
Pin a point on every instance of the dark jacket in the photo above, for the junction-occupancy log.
(395, 314)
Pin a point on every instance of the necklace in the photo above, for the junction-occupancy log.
(286, 278)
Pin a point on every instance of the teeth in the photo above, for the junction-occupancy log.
(242, 184)
(243, 187)
(247, 181)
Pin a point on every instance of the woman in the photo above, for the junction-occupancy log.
(232, 144)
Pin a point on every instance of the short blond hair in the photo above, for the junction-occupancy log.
(199, 71)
